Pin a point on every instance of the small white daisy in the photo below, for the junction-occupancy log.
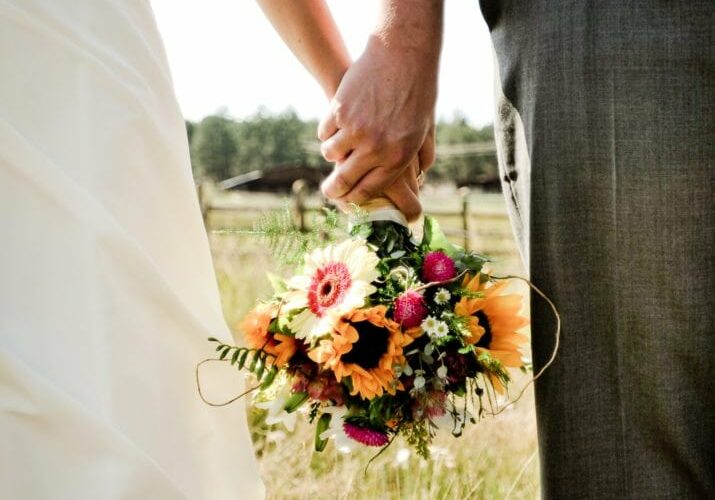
(441, 329)
(429, 324)
(442, 296)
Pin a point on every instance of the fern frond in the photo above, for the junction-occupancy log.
(261, 364)
(286, 242)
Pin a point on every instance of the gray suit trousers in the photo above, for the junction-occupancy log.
(606, 141)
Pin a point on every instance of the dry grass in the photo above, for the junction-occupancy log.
(495, 459)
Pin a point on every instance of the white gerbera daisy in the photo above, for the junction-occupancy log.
(335, 280)
(442, 296)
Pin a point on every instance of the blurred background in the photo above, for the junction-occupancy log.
(251, 114)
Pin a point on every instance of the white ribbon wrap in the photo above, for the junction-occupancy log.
(382, 209)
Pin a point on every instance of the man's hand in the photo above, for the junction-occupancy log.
(382, 116)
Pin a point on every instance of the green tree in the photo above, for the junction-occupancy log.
(463, 168)
(214, 148)
(267, 141)
(222, 148)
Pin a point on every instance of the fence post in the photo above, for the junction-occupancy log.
(299, 190)
(464, 195)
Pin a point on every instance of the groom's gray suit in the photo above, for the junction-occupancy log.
(606, 135)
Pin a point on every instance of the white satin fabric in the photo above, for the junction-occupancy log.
(107, 293)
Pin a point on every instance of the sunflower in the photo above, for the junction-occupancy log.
(255, 328)
(493, 321)
(335, 280)
(365, 346)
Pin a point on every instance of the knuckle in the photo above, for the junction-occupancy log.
(327, 150)
(327, 189)
(340, 183)
(324, 191)
(337, 109)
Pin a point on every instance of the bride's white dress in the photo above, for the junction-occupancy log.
(107, 292)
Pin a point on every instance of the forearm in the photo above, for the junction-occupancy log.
(308, 29)
(413, 28)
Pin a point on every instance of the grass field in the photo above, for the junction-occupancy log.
(493, 460)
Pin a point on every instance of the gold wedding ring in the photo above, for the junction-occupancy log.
(421, 178)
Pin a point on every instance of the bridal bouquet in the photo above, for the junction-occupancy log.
(380, 335)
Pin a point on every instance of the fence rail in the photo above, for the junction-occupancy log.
(486, 231)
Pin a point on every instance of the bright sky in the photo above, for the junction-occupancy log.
(225, 55)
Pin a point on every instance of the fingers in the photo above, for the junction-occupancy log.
(346, 175)
(427, 153)
(327, 127)
(403, 191)
(371, 185)
(404, 198)
(412, 177)
(337, 147)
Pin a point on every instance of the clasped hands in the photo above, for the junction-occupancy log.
(379, 129)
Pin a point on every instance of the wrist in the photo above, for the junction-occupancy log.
(411, 28)
(333, 75)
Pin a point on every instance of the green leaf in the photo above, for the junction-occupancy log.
(474, 262)
(260, 369)
(213, 339)
(269, 378)
(435, 239)
(362, 231)
(224, 352)
(322, 426)
(234, 357)
(242, 359)
(295, 401)
(254, 362)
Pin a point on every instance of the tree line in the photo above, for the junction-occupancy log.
(222, 147)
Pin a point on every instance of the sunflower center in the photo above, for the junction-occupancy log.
(328, 287)
(370, 347)
(484, 323)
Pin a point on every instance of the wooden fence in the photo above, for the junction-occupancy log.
(484, 231)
